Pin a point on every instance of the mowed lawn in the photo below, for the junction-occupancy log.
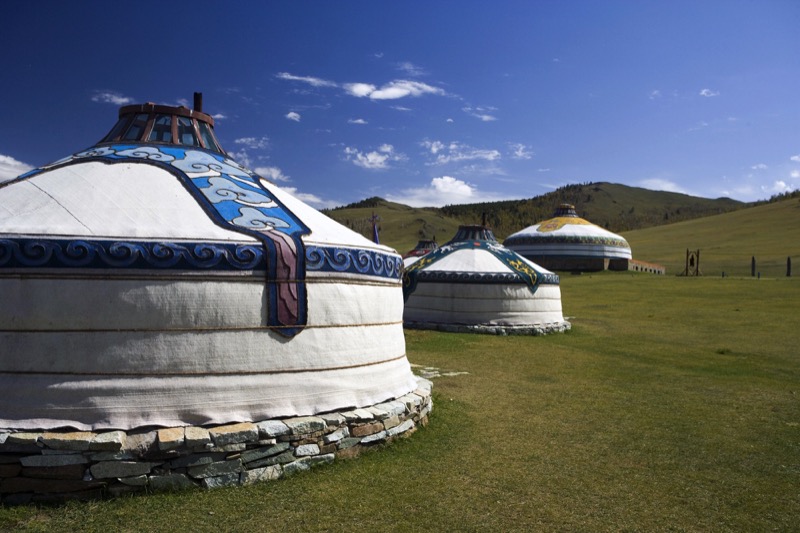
(672, 405)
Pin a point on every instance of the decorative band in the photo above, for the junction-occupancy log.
(22, 253)
(484, 277)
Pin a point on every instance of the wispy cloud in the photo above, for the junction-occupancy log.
(708, 93)
(314, 82)
(441, 191)
(254, 143)
(356, 121)
(219, 116)
(375, 160)
(655, 94)
(291, 115)
(401, 108)
(411, 69)
(111, 97)
(795, 158)
(271, 173)
(393, 90)
(10, 168)
(520, 151)
(759, 166)
(482, 113)
(455, 152)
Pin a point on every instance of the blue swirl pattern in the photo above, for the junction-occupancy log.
(353, 261)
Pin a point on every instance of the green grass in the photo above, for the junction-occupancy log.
(672, 405)
(727, 242)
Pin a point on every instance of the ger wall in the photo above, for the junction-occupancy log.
(54, 466)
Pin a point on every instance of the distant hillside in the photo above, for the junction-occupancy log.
(727, 242)
(613, 206)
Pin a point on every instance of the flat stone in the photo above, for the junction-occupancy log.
(402, 428)
(259, 453)
(234, 434)
(337, 435)
(360, 415)
(306, 450)
(378, 413)
(300, 465)
(369, 439)
(171, 482)
(225, 480)
(305, 424)
(411, 401)
(394, 407)
(22, 438)
(236, 447)
(188, 461)
(321, 459)
(216, 469)
(391, 422)
(257, 475)
(76, 440)
(170, 438)
(366, 429)
(111, 469)
(141, 444)
(134, 481)
(285, 457)
(272, 428)
(3, 437)
(196, 437)
(10, 459)
(347, 443)
(54, 460)
(333, 419)
(108, 441)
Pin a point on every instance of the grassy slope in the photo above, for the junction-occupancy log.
(676, 411)
(727, 242)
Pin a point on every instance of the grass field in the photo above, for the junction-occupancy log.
(672, 405)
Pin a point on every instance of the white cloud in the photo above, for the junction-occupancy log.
(314, 82)
(376, 160)
(10, 168)
(393, 90)
(481, 113)
(795, 158)
(759, 166)
(110, 97)
(794, 174)
(708, 93)
(655, 94)
(254, 143)
(454, 152)
(660, 184)
(449, 120)
(219, 116)
(271, 173)
(443, 191)
(777, 187)
(241, 157)
(359, 90)
(291, 115)
(401, 108)
(542, 170)
(356, 121)
(520, 151)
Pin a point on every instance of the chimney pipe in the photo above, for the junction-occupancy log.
(198, 102)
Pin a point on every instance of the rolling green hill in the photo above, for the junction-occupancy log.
(727, 242)
(613, 206)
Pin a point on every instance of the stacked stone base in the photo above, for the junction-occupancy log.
(493, 329)
(54, 466)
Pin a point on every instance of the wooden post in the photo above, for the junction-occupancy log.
(788, 267)
(753, 267)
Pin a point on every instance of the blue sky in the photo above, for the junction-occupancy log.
(422, 102)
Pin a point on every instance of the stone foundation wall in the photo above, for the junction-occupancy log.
(53, 466)
(493, 329)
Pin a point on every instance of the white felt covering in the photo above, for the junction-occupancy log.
(99, 350)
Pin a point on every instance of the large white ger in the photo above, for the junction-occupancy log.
(475, 284)
(152, 281)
